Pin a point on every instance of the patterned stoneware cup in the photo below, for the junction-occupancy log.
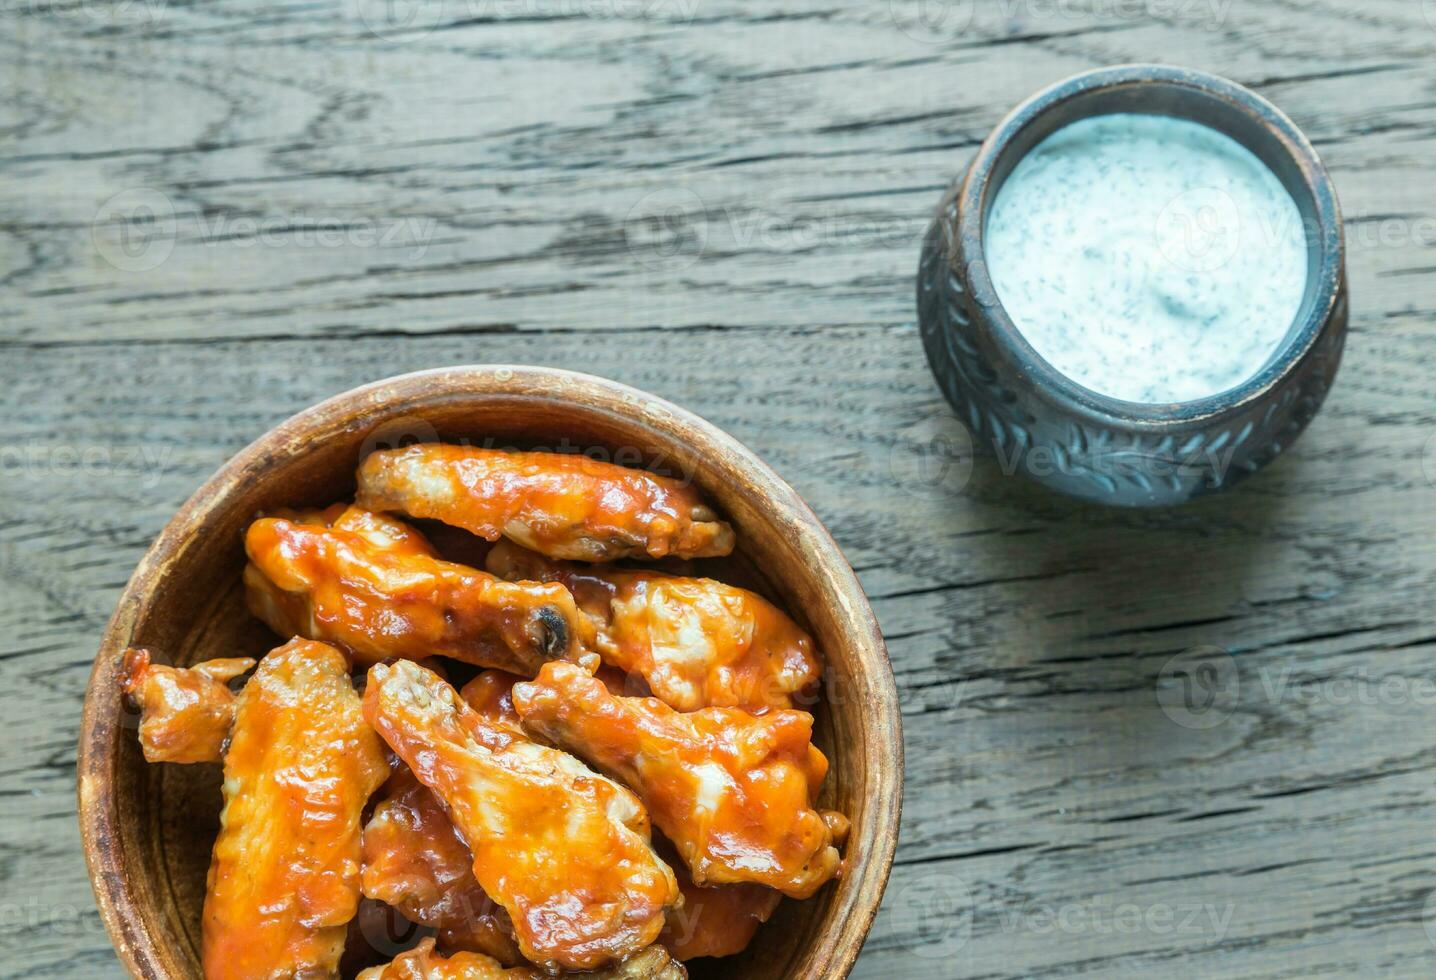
(1045, 425)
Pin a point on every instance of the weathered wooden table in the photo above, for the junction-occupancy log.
(1188, 743)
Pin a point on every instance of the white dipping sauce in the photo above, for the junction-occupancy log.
(1146, 257)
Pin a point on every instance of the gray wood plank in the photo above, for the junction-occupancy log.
(721, 204)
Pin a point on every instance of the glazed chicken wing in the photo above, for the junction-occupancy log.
(301, 764)
(716, 920)
(560, 505)
(491, 696)
(565, 851)
(185, 713)
(696, 642)
(416, 861)
(732, 790)
(384, 532)
(422, 963)
(371, 585)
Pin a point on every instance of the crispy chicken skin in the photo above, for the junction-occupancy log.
(301, 764)
(422, 963)
(416, 861)
(560, 505)
(732, 790)
(185, 712)
(565, 851)
(696, 642)
(491, 695)
(370, 585)
(380, 530)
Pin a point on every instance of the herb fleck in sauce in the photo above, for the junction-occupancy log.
(1146, 257)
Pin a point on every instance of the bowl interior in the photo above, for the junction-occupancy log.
(149, 828)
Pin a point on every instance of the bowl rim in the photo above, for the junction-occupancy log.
(977, 191)
(100, 731)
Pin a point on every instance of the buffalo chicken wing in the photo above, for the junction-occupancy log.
(715, 920)
(565, 851)
(732, 790)
(490, 695)
(368, 584)
(185, 712)
(422, 963)
(560, 505)
(301, 764)
(416, 861)
(697, 643)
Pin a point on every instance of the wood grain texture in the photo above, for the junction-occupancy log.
(571, 159)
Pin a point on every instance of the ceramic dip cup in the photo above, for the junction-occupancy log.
(1068, 435)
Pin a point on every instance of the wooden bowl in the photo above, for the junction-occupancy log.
(148, 829)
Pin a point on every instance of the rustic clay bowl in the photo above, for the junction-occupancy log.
(148, 829)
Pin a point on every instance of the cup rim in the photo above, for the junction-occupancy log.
(977, 189)
(121, 909)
